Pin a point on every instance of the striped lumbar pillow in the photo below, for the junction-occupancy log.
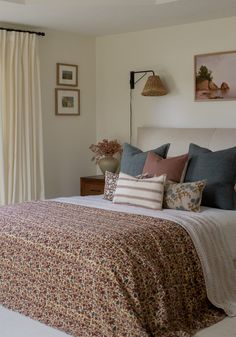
(140, 192)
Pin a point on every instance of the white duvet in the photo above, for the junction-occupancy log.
(213, 233)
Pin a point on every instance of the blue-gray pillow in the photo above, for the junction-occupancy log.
(133, 159)
(219, 169)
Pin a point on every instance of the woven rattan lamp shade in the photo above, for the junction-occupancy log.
(154, 87)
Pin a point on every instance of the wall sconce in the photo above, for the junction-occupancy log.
(153, 87)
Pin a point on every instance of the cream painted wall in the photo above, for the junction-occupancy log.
(104, 66)
(66, 138)
(169, 51)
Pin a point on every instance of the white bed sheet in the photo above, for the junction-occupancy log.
(13, 324)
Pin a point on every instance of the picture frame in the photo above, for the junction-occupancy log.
(215, 76)
(67, 102)
(67, 74)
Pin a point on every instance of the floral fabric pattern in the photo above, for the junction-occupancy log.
(110, 185)
(97, 273)
(185, 196)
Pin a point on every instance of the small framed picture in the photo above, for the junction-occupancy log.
(215, 76)
(67, 102)
(67, 74)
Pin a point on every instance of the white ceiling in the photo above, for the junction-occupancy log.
(102, 17)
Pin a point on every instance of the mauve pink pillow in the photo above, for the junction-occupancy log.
(173, 167)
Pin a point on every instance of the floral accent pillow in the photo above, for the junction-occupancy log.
(185, 197)
(110, 185)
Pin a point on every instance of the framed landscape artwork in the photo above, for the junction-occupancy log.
(215, 76)
(67, 74)
(67, 102)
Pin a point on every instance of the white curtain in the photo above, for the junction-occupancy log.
(21, 149)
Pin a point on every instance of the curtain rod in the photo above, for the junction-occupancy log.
(22, 31)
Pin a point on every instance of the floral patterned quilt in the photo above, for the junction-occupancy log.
(98, 273)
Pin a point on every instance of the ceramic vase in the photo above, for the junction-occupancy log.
(108, 163)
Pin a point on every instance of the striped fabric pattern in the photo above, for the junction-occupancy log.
(142, 192)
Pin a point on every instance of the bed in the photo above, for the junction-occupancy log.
(148, 138)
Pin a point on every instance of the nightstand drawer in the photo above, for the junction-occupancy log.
(90, 189)
(93, 185)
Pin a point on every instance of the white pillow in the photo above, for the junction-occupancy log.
(142, 192)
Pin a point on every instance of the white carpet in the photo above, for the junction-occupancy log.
(13, 324)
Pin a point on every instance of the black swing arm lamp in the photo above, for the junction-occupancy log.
(153, 87)
(132, 76)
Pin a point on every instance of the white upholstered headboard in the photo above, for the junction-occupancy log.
(214, 139)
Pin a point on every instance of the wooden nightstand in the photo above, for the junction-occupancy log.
(92, 185)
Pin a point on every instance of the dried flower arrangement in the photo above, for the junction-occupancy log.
(105, 148)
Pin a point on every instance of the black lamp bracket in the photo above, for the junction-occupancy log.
(132, 76)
